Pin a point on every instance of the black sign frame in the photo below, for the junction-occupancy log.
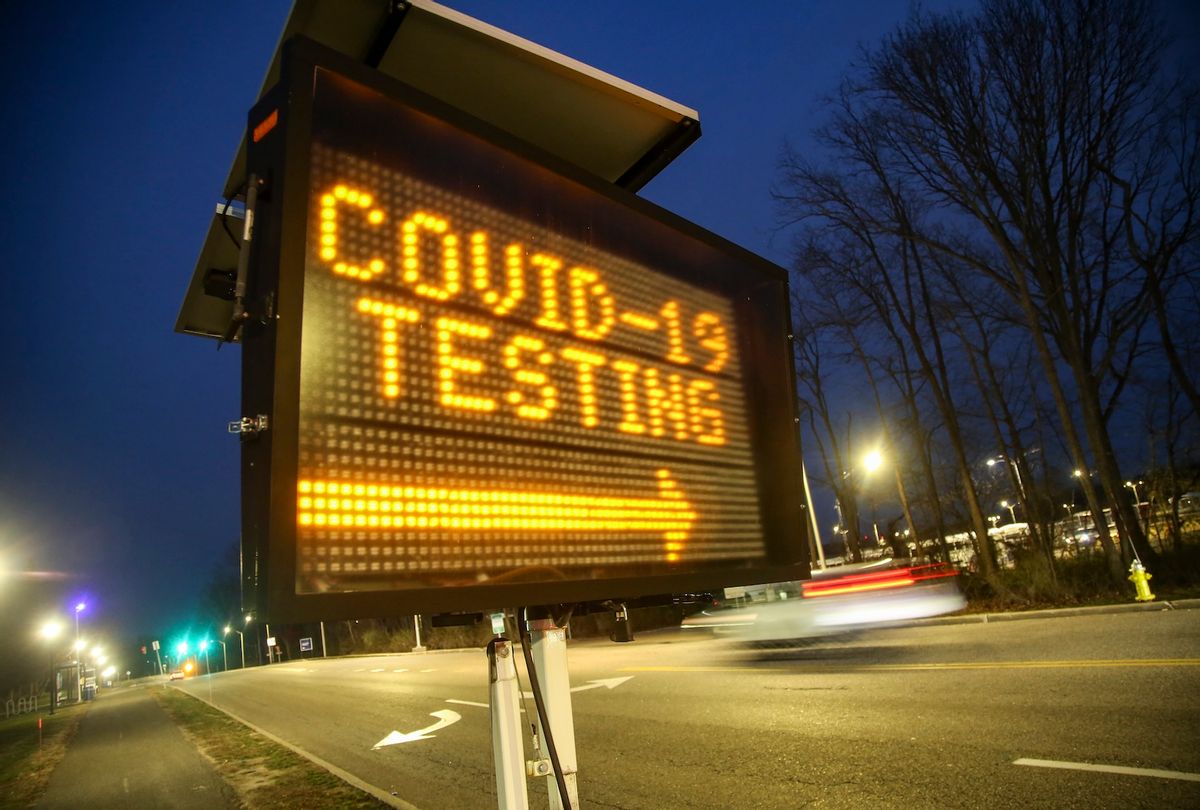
(279, 138)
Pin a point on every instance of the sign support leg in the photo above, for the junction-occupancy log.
(549, 649)
(508, 750)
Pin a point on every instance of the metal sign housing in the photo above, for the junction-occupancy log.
(489, 377)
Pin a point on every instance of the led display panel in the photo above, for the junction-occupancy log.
(507, 383)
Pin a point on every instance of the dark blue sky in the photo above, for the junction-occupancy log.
(120, 122)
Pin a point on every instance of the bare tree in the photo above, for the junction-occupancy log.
(1017, 126)
(860, 226)
(831, 445)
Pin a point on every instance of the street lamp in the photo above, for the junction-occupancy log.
(871, 462)
(994, 519)
(79, 608)
(1012, 509)
(50, 631)
(1016, 468)
(1137, 503)
(204, 649)
(241, 639)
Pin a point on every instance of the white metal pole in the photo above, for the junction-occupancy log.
(417, 628)
(322, 639)
(549, 649)
(508, 749)
(812, 516)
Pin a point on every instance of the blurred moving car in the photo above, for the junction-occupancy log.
(838, 601)
(177, 674)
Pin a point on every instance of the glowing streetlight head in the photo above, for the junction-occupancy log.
(872, 461)
(1078, 473)
(204, 646)
(82, 606)
(50, 629)
(226, 631)
(96, 652)
(992, 462)
(181, 648)
(249, 617)
(100, 659)
(1004, 504)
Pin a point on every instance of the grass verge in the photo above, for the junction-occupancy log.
(262, 773)
(26, 762)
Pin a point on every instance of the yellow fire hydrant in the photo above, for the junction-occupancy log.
(1140, 578)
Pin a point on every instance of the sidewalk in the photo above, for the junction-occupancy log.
(128, 753)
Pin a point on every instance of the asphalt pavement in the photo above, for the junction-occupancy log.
(128, 753)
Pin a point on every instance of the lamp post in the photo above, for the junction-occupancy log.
(871, 462)
(241, 638)
(79, 608)
(204, 649)
(1016, 468)
(50, 631)
(224, 659)
(994, 520)
(1012, 509)
(1137, 504)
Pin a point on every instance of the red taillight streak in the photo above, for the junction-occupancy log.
(864, 586)
(895, 578)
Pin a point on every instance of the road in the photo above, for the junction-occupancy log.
(928, 716)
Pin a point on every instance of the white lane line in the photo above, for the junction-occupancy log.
(1087, 766)
(399, 670)
(378, 670)
(429, 670)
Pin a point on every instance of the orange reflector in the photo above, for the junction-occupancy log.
(266, 125)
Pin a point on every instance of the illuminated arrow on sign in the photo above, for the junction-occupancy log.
(350, 504)
(445, 718)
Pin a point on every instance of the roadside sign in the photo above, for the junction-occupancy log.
(306, 645)
(270, 641)
(493, 380)
(154, 645)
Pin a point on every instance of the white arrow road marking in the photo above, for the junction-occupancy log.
(1121, 769)
(607, 683)
(445, 718)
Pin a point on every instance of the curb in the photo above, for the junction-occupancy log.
(1056, 613)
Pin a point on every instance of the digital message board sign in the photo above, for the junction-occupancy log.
(492, 381)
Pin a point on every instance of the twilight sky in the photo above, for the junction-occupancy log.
(120, 122)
